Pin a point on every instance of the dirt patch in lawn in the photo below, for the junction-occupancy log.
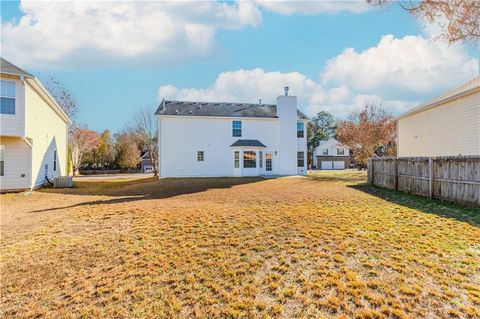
(236, 248)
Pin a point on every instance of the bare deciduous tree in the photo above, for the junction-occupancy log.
(144, 127)
(82, 140)
(459, 20)
(62, 95)
(369, 132)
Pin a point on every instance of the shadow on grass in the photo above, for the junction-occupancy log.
(467, 214)
(142, 189)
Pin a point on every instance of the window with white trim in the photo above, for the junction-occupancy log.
(300, 130)
(2, 160)
(236, 128)
(55, 160)
(325, 151)
(200, 156)
(236, 159)
(340, 151)
(249, 159)
(7, 95)
(300, 159)
(260, 159)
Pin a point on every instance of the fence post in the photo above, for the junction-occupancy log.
(370, 171)
(395, 172)
(430, 180)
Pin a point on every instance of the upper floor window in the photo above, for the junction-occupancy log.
(200, 156)
(325, 151)
(300, 129)
(340, 151)
(237, 128)
(7, 95)
(249, 159)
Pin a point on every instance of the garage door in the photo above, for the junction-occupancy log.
(327, 165)
(339, 165)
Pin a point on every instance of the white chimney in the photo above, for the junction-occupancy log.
(287, 115)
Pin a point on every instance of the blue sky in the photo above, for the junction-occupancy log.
(334, 58)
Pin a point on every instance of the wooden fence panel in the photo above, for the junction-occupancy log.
(453, 178)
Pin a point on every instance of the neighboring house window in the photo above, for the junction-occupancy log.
(260, 159)
(249, 159)
(325, 151)
(340, 151)
(300, 129)
(2, 160)
(236, 128)
(7, 97)
(237, 159)
(54, 160)
(200, 156)
(300, 159)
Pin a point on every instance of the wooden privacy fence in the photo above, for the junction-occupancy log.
(453, 178)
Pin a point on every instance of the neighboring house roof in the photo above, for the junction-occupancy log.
(248, 143)
(9, 68)
(331, 142)
(468, 88)
(221, 109)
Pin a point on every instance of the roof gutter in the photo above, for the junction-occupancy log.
(426, 107)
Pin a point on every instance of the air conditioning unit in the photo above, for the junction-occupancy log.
(63, 182)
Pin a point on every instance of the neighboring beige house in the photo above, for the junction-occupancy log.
(331, 154)
(33, 131)
(449, 125)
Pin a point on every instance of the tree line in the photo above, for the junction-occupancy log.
(369, 132)
(90, 149)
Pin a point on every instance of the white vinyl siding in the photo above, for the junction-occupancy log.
(448, 129)
(13, 124)
(48, 133)
(16, 164)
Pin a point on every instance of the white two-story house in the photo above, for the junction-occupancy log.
(33, 131)
(232, 139)
(331, 154)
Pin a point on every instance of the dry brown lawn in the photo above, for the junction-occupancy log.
(312, 247)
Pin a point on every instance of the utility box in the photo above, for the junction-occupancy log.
(63, 182)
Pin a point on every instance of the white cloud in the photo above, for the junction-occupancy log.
(399, 73)
(66, 33)
(314, 7)
(249, 86)
(245, 86)
(409, 65)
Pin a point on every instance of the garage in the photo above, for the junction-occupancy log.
(338, 165)
(328, 165)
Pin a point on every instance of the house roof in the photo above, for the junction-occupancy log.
(465, 89)
(9, 68)
(331, 142)
(248, 143)
(221, 109)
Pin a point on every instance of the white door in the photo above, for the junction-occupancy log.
(338, 165)
(327, 165)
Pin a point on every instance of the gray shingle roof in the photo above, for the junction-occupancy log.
(186, 108)
(250, 143)
(9, 68)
